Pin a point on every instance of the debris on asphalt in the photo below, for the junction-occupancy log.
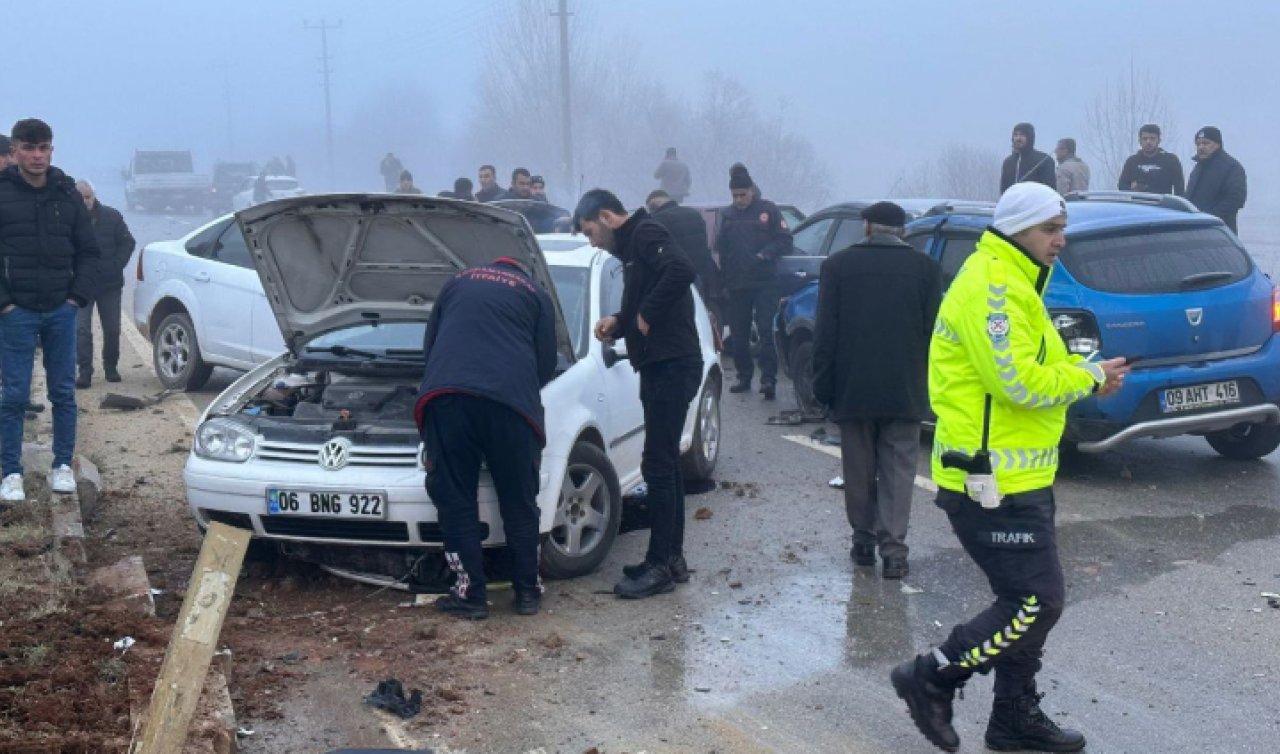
(389, 696)
(908, 589)
(702, 514)
(702, 689)
(826, 438)
(1273, 599)
(836, 483)
(131, 403)
(245, 732)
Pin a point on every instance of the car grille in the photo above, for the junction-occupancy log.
(359, 455)
(238, 520)
(323, 528)
(431, 533)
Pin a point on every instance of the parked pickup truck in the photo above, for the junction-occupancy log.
(157, 180)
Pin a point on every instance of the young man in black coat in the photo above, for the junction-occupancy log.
(657, 322)
(470, 412)
(877, 301)
(1026, 163)
(1218, 184)
(1152, 169)
(116, 244)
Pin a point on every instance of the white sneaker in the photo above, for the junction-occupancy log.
(62, 480)
(11, 489)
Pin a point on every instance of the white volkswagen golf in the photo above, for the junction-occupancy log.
(317, 447)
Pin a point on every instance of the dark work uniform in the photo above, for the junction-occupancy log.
(656, 285)
(489, 349)
(750, 242)
(116, 244)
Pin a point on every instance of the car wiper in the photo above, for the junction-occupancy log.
(343, 351)
(1205, 278)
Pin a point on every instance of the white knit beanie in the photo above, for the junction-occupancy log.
(1026, 205)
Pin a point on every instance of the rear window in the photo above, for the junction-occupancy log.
(1158, 261)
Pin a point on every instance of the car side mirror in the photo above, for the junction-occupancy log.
(612, 356)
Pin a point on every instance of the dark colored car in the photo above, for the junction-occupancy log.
(1142, 276)
(228, 177)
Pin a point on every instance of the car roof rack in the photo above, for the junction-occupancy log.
(961, 208)
(1165, 201)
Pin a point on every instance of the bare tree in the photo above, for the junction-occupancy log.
(1126, 104)
(960, 171)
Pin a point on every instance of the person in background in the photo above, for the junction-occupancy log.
(673, 176)
(1152, 169)
(1026, 163)
(489, 188)
(406, 184)
(689, 231)
(390, 169)
(1218, 184)
(116, 244)
(461, 190)
(538, 188)
(877, 301)
(1073, 174)
(520, 188)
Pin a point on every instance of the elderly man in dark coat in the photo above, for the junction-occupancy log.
(116, 244)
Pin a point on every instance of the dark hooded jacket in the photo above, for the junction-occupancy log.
(750, 241)
(48, 250)
(1218, 185)
(877, 302)
(1028, 164)
(492, 334)
(656, 284)
(116, 244)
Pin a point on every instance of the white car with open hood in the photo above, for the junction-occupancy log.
(316, 449)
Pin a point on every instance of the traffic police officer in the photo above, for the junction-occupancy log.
(1000, 382)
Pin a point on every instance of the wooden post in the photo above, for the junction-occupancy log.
(186, 662)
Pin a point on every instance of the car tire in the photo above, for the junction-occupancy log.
(1245, 442)
(699, 461)
(175, 354)
(801, 365)
(588, 513)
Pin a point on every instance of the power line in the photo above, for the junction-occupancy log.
(323, 27)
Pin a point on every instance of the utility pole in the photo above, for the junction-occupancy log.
(566, 128)
(324, 28)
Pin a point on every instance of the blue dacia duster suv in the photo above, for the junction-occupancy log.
(1142, 276)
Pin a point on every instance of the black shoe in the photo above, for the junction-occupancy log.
(769, 390)
(928, 698)
(112, 375)
(656, 579)
(895, 567)
(677, 565)
(740, 386)
(863, 553)
(1018, 724)
(83, 381)
(455, 606)
(35, 408)
(527, 603)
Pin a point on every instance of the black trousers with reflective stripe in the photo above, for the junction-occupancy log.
(1016, 547)
(460, 433)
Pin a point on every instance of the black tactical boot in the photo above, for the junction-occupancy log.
(677, 565)
(1018, 724)
(863, 553)
(741, 386)
(655, 579)
(928, 696)
(769, 390)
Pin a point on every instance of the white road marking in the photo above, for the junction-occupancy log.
(923, 483)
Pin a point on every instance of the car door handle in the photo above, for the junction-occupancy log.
(201, 277)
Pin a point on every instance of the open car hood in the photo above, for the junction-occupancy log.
(332, 261)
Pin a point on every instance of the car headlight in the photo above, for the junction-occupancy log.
(224, 440)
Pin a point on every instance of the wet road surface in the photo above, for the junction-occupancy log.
(779, 644)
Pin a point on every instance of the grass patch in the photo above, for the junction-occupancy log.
(35, 656)
(112, 670)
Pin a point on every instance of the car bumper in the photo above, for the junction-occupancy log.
(236, 493)
(1181, 425)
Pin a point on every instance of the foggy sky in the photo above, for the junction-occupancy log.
(877, 87)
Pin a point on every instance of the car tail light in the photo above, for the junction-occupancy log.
(1275, 310)
(138, 272)
(1078, 329)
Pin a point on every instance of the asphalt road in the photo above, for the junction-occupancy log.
(779, 644)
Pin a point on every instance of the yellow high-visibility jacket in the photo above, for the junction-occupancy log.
(993, 337)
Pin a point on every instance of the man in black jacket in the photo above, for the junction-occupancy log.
(490, 347)
(49, 255)
(752, 236)
(1027, 163)
(1151, 169)
(689, 231)
(1218, 184)
(877, 301)
(489, 189)
(116, 245)
(662, 343)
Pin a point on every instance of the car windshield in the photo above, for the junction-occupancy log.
(405, 338)
(572, 288)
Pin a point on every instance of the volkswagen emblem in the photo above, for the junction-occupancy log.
(335, 454)
(1194, 316)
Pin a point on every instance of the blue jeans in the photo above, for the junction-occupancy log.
(56, 331)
